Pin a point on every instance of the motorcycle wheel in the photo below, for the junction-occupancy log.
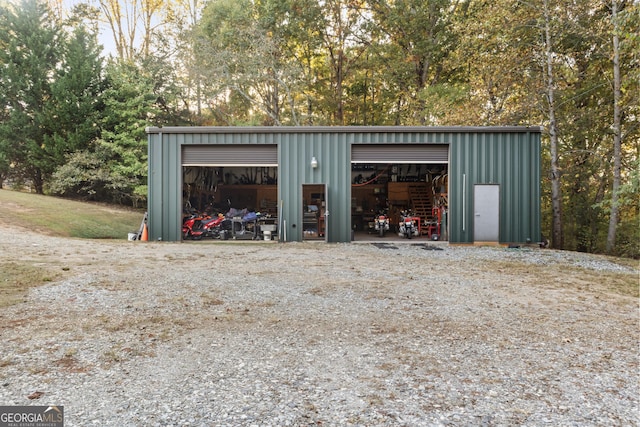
(381, 232)
(409, 234)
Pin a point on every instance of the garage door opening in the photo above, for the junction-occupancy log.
(397, 180)
(232, 189)
(247, 198)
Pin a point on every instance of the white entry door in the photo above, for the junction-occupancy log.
(486, 208)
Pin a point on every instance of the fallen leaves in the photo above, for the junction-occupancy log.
(35, 395)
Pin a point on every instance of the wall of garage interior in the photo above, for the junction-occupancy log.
(508, 156)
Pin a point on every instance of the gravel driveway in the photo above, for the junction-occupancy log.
(302, 334)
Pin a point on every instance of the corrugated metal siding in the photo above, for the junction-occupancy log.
(165, 187)
(332, 152)
(506, 156)
(229, 155)
(509, 159)
(399, 153)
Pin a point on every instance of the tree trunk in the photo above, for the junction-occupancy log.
(339, 115)
(38, 182)
(617, 136)
(556, 191)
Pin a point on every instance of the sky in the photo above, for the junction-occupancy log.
(105, 37)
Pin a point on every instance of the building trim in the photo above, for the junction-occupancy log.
(339, 129)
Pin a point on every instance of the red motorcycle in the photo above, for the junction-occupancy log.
(213, 226)
(198, 226)
(192, 226)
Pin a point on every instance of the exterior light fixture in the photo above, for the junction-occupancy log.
(314, 162)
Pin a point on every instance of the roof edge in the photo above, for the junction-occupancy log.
(340, 129)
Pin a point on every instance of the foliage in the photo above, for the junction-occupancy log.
(242, 64)
(31, 58)
(76, 105)
(116, 165)
(87, 176)
(413, 41)
(628, 241)
(68, 123)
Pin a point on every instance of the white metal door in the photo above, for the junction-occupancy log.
(486, 219)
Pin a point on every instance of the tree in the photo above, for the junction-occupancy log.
(556, 192)
(5, 162)
(243, 65)
(297, 25)
(31, 60)
(53, 83)
(114, 167)
(184, 20)
(132, 24)
(129, 107)
(617, 130)
(415, 40)
(344, 41)
(75, 108)
(494, 79)
(625, 17)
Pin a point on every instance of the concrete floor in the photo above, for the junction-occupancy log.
(390, 236)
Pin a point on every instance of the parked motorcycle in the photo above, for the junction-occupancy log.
(212, 227)
(407, 227)
(381, 223)
(192, 226)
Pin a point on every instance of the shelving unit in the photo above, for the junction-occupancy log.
(310, 225)
(313, 211)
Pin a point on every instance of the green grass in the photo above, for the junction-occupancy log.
(17, 278)
(67, 218)
(56, 217)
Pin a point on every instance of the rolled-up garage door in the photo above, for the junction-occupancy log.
(400, 153)
(230, 155)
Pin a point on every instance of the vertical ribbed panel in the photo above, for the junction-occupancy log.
(165, 187)
(511, 160)
(332, 151)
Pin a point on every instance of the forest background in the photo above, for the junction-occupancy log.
(73, 115)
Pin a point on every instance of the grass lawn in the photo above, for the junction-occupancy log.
(56, 217)
(67, 218)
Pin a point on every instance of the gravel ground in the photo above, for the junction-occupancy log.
(301, 334)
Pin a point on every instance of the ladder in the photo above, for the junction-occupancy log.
(142, 224)
(421, 201)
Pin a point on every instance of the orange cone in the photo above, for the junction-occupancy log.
(145, 233)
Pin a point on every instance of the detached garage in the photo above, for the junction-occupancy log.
(462, 184)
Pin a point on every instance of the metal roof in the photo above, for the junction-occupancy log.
(340, 129)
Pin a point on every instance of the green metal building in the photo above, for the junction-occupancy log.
(486, 179)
